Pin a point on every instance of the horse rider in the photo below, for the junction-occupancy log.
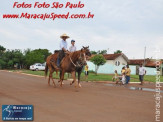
(63, 48)
(72, 48)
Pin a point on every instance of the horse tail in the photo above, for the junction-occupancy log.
(46, 70)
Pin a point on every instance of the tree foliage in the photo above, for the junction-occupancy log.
(10, 59)
(99, 52)
(117, 52)
(98, 60)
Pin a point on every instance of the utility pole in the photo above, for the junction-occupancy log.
(144, 54)
(108, 51)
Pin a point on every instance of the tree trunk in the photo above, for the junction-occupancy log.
(96, 68)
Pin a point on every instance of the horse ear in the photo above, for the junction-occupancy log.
(88, 47)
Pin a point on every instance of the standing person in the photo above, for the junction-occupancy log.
(123, 70)
(123, 78)
(63, 48)
(115, 77)
(128, 72)
(72, 47)
(86, 72)
(142, 72)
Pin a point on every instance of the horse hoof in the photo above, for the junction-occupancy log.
(80, 85)
(70, 83)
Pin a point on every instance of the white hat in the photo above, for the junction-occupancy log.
(64, 35)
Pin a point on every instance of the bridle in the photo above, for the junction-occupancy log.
(80, 61)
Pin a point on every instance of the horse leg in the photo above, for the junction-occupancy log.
(72, 82)
(60, 74)
(74, 78)
(62, 77)
(49, 80)
(79, 73)
(51, 77)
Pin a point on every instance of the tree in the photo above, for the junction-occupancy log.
(99, 52)
(93, 52)
(2, 49)
(35, 56)
(11, 58)
(117, 52)
(102, 52)
(98, 60)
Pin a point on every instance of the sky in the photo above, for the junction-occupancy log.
(126, 25)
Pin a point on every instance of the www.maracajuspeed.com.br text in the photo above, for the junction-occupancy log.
(45, 16)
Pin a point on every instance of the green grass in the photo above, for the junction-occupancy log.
(93, 77)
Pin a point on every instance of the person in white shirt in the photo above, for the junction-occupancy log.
(72, 47)
(142, 72)
(63, 48)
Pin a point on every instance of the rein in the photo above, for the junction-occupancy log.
(77, 62)
(72, 61)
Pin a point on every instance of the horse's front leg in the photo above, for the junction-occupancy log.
(62, 77)
(74, 78)
(60, 74)
(79, 73)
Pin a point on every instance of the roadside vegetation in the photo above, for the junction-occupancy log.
(92, 76)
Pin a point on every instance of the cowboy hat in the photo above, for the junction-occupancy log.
(64, 35)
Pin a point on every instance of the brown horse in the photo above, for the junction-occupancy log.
(70, 63)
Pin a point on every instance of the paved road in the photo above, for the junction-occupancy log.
(95, 102)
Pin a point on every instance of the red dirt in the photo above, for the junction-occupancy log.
(94, 102)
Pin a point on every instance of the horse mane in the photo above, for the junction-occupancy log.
(74, 55)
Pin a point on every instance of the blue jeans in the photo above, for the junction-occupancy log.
(127, 79)
(58, 61)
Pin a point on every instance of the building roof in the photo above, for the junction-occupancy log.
(148, 62)
(111, 56)
(114, 56)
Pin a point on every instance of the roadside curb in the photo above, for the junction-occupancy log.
(23, 73)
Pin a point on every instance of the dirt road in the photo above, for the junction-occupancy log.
(94, 102)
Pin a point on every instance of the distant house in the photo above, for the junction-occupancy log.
(150, 64)
(109, 67)
(147, 62)
(113, 58)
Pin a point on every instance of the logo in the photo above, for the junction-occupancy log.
(17, 112)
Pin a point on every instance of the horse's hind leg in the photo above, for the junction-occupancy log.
(51, 76)
(49, 80)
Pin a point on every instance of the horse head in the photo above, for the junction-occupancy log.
(87, 51)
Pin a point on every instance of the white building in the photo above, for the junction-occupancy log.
(113, 58)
